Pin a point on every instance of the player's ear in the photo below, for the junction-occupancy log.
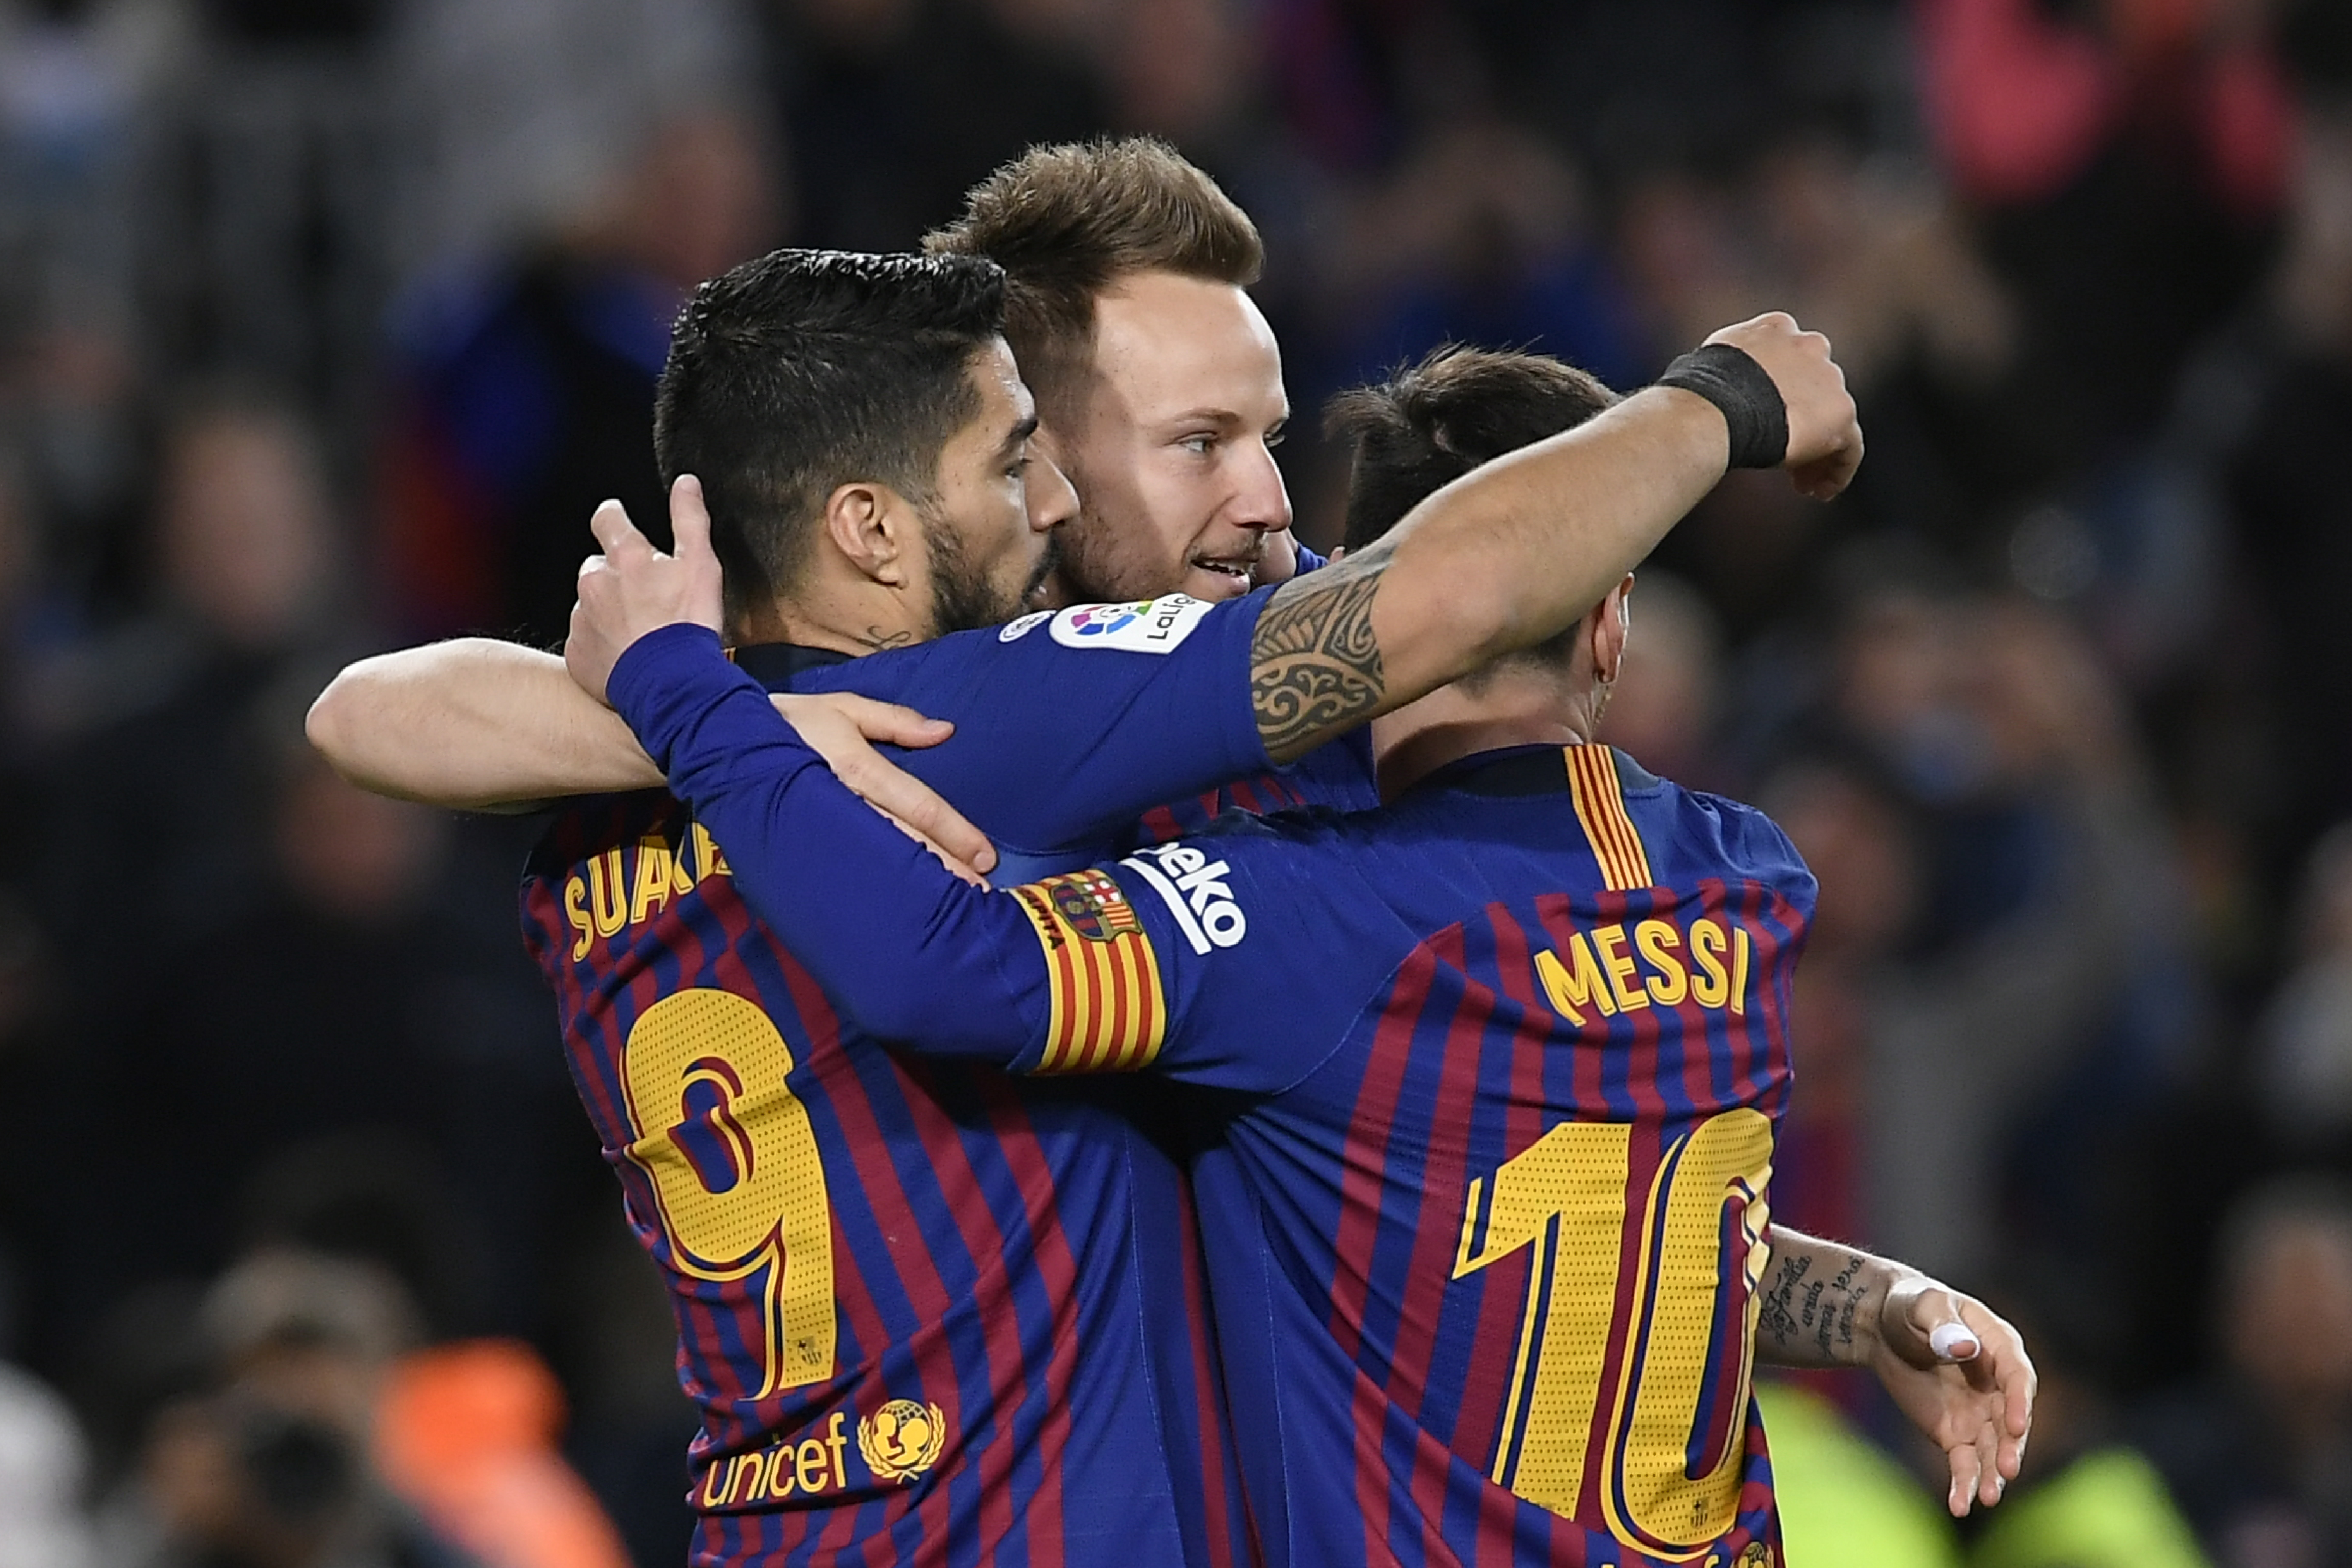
(871, 525)
(1611, 619)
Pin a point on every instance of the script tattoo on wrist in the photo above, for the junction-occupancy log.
(1315, 663)
(1809, 1320)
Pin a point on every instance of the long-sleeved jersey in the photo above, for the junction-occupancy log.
(930, 1313)
(1486, 1200)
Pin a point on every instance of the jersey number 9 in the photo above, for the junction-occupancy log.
(735, 1170)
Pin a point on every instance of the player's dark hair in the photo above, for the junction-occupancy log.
(1431, 423)
(1068, 221)
(805, 370)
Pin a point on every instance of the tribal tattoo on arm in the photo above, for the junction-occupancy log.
(1315, 663)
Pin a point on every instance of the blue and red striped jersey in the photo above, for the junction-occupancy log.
(928, 1311)
(1498, 1070)
(914, 1302)
(1502, 1206)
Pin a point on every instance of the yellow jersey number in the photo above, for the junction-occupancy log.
(1576, 1175)
(734, 1167)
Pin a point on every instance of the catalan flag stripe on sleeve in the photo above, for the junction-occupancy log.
(1109, 1011)
(1600, 808)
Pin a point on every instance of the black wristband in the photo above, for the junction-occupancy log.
(1732, 380)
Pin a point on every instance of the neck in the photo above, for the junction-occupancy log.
(1511, 709)
(854, 618)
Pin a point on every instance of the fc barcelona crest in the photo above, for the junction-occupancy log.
(1092, 905)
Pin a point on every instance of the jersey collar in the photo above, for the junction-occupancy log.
(1524, 770)
(774, 664)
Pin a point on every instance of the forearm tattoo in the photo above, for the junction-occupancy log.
(1805, 1319)
(1315, 665)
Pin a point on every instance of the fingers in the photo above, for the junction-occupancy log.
(689, 519)
(617, 534)
(1935, 1316)
(844, 728)
(960, 869)
(901, 795)
(891, 723)
(1966, 1477)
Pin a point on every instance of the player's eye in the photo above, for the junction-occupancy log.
(1276, 437)
(1198, 444)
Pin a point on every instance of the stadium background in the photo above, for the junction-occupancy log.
(323, 326)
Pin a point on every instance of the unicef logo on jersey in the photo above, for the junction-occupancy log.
(1149, 626)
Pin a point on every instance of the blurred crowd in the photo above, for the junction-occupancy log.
(324, 323)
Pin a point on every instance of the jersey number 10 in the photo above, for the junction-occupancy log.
(1672, 1445)
(735, 1168)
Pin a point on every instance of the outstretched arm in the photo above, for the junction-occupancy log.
(1516, 550)
(1954, 1365)
(1501, 560)
(475, 725)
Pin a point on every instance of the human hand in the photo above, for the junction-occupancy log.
(1973, 1397)
(632, 588)
(1824, 431)
(1277, 560)
(843, 727)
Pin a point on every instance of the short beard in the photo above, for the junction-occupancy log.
(962, 599)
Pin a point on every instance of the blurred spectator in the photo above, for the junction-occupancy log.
(2261, 1456)
(520, 114)
(895, 108)
(153, 791)
(80, 85)
(41, 1479)
(617, 1343)
(1666, 705)
(2089, 1499)
(527, 392)
(268, 1466)
(2283, 401)
(469, 1424)
(2128, 161)
(1482, 237)
(468, 1434)
(1995, 953)
(1840, 1499)
(1854, 835)
(2306, 1069)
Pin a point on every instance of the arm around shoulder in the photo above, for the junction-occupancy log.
(473, 723)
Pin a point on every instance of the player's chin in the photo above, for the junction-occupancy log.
(1217, 581)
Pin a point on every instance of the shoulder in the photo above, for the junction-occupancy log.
(1718, 832)
(592, 824)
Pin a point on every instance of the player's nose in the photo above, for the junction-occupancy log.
(1053, 499)
(1262, 502)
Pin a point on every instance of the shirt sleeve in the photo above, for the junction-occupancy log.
(1184, 957)
(907, 950)
(1070, 724)
(1237, 960)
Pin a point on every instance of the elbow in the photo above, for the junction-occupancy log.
(327, 725)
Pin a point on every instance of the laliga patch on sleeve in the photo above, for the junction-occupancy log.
(1012, 631)
(1154, 626)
